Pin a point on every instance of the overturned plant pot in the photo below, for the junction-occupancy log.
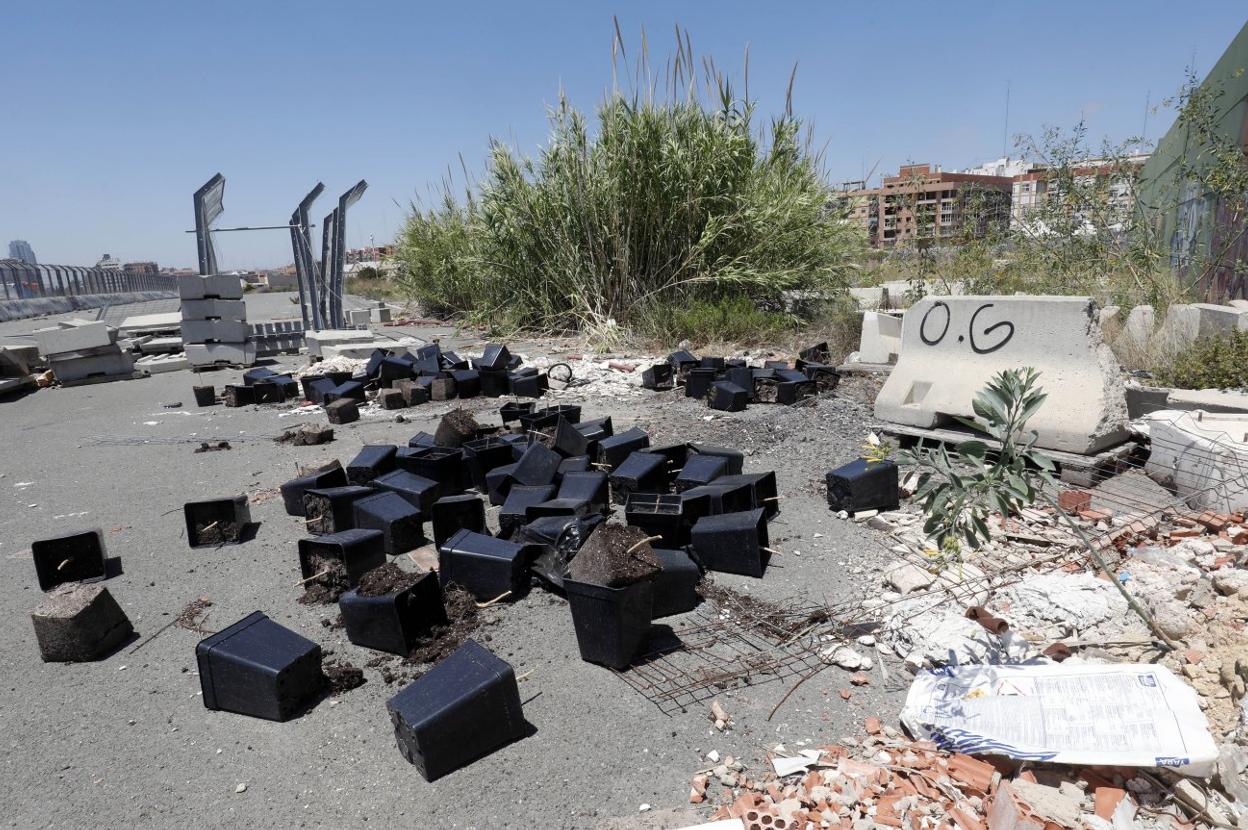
(205, 395)
(73, 557)
(734, 543)
(346, 555)
(463, 708)
(486, 567)
(372, 460)
(401, 525)
(676, 587)
(216, 522)
(77, 623)
(390, 609)
(452, 514)
(294, 490)
(259, 668)
(863, 485)
(331, 509)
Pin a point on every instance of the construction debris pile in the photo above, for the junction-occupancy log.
(730, 384)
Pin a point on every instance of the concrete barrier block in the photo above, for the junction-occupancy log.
(1198, 455)
(952, 346)
(218, 331)
(1139, 326)
(156, 364)
(364, 350)
(380, 315)
(74, 336)
(317, 340)
(235, 354)
(358, 317)
(207, 309)
(224, 286)
(77, 368)
(881, 338)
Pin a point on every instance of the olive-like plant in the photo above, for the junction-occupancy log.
(959, 491)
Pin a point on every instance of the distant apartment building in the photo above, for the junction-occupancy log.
(920, 204)
(1039, 185)
(109, 263)
(20, 249)
(141, 268)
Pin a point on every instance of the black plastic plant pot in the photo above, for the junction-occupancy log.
(727, 397)
(467, 383)
(683, 357)
(537, 466)
(734, 543)
(590, 486)
(676, 454)
(528, 386)
(776, 364)
(452, 362)
(540, 419)
(217, 521)
(614, 450)
(73, 557)
(372, 460)
(742, 376)
(420, 491)
(789, 393)
(373, 367)
(462, 709)
(557, 507)
(413, 393)
(763, 492)
(641, 472)
(484, 454)
(238, 395)
(597, 429)
(394, 367)
(736, 458)
(825, 378)
(495, 358)
(357, 550)
(445, 465)
(698, 382)
(391, 399)
(611, 623)
(342, 411)
(723, 498)
(669, 516)
(293, 491)
(393, 622)
(315, 387)
(863, 485)
(512, 410)
(494, 384)
(717, 363)
(266, 391)
(515, 509)
(259, 668)
(205, 395)
(676, 586)
(575, 464)
(699, 470)
(257, 374)
(484, 566)
(734, 363)
(400, 523)
(498, 482)
(657, 377)
(817, 353)
(443, 389)
(289, 386)
(570, 442)
(451, 514)
(352, 389)
(791, 375)
(421, 439)
(331, 509)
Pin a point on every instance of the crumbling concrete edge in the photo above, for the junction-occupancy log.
(43, 306)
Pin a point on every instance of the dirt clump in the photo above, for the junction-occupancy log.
(204, 446)
(342, 677)
(306, 435)
(330, 581)
(386, 579)
(615, 556)
(218, 533)
(463, 620)
(456, 427)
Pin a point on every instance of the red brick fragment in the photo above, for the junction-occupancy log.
(1074, 501)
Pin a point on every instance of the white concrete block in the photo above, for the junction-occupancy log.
(1210, 400)
(150, 323)
(220, 331)
(1216, 319)
(360, 351)
(74, 336)
(161, 345)
(881, 338)
(206, 354)
(159, 363)
(1138, 329)
(77, 368)
(380, 315)
(358, 317)
(1201, 456)
(315, 340)
(208, 309)
(952, 347)
(195, 287)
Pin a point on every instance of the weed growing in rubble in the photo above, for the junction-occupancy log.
(1210, 363)
(958, 492)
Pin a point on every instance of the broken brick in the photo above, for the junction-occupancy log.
(1074, 501)
(1094, 516)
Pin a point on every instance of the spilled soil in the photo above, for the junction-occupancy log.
(329, 585)
(463, 620)
(342, 677)
(615, 556)
(386, 579)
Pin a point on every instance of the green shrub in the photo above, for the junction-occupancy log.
(732, 319)
(670, 202)
(1210, 363)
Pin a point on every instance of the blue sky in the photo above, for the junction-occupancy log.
(114, 112)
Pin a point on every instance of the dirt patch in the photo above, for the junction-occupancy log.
(329, 584)
(615, 556)
(342, 676)
(332, 623)
(464, 618)
(306, 435)
(862, 387)
(190, 616)
(767, 618)
(386, 579)
(218, 533)
(204, 446)
(456, 427)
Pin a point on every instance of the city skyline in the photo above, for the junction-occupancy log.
(412, 100)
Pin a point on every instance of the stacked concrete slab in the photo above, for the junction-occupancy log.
(79, 349)
(214, 321)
